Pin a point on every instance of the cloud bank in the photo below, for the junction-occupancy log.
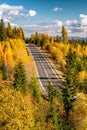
(74, 27)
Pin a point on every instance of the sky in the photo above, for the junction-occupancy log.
(46, 16)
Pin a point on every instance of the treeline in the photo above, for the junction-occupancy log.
(9, 32)
(41, 39)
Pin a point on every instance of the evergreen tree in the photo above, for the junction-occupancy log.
(69, 92)
(64, 35)
(37, 39)
(52, 93)
(42, 42)
(14, 32)
(9, 31)
(2, 31)
(3, 70)
(84, 86)
(20, 33)
(57, 38)
(36, 91)
(19, 77)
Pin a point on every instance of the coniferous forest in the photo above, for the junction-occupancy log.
(23, 106)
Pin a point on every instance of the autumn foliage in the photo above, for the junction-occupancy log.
(12, 52)
(15, 111)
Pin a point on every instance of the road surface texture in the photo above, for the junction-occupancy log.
(45, 71)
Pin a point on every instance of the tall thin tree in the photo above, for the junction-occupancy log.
(69, 92)
(52, 93)
(9, 31)
(19, 77)
(64, 35)
(2, 31)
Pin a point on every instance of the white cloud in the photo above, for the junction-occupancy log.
(9, 7)
(83, 19)
(83, 16)
(1, 13)
(58, 23)
(32, 13)
(14, 14)
(13, 25)
(57, 9)
(50, 28)
(71, 22)
(10, 10)
(6, 20)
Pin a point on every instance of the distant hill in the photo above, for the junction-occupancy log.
(78, 38)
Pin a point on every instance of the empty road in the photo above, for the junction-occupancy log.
(44, 69)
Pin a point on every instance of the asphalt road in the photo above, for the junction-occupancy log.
(45, 71)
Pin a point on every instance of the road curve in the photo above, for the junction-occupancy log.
(44, 69)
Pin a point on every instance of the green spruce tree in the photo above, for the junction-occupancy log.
(35, 87)
(3, 71)
(15, 33)
(19, 77)
(20, 33)
(9, 31)
(52, 93)
(84, 85)
(3, 36)
(4, 75)
(69, 92)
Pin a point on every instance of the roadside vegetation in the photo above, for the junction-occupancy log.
(22, 104)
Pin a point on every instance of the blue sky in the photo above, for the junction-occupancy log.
(46, 16)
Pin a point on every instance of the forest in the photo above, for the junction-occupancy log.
(23, 106)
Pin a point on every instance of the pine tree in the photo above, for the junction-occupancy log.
(9, 31)
(19, 77)
(2, 31)
(37, 39)
(69, 92)
(64, 35)
(57, 38)
(36, 91)
(52, 93)
(14, 32)
(3, 70)
(20, 33)
(84, 85)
